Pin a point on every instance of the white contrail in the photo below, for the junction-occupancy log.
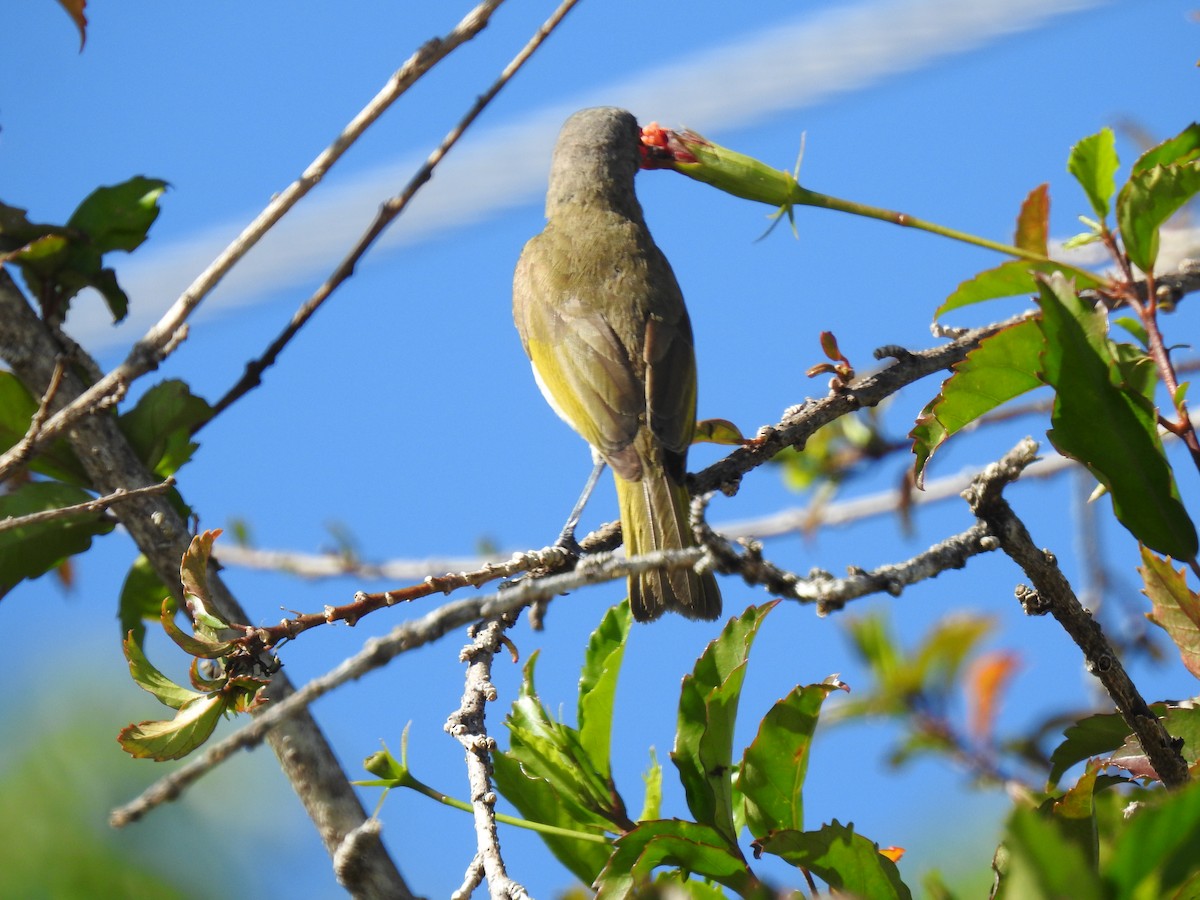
(790, 65)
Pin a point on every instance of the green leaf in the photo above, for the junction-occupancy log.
(176, 738)
(17, 408)
(672, 842)
(117, 217)
(193, 576)
(1182, 722)
(708, 704)
(718, 431)
(598, 684)
(32, 550)
(1075, 812)
(1042, 863)
(1176, 608)
(141, 598)
(1090, 736)
(1156, 853)
(1114, 432)
(771, 776)
(652, 805)
(1010, 279)
(199, 645)
(1093, 162)
(538, 800)
(1184, 147)
(1147, 200)
(847, 862)
(150, 679)
(160, 426)
(1003, 366)
(1033, 221)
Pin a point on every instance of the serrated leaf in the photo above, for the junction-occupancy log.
(1090, 736)
(141, 598)
(539, 801)
(150, 679)
(1114, 432)
(1176, 608)
(1003, 366)
(598, 684)
(1182, 722)
(193, 575)
(199, 645)
(1146, 201)
(1093, 162)
(1042, 863)
(708, 705)
(771, 776)
(160, 426)
(1184, 147)
(1010, 279)
(32, 550)
(696, 848)
(1156, 854)
(117, 217)
(1033, 221)
(17, 408)
(847, 862)
(176, 738)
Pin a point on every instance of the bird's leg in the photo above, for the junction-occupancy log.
(566, 538)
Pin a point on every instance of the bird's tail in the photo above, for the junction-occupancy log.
(655, 516)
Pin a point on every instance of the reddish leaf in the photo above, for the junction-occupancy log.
(75, 9)
(1176, 609)
(1033, 222)
(988, 677)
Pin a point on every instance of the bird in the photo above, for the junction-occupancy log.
(602, 318)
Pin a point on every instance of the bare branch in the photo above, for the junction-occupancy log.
(20, 451)
(1052, 593)
(468, 726)
(169, 331)
(100, 504)
(388, 212)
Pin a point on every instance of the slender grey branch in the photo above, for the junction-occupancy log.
(100, 504)
(169, 331)
(1052, 593)
(468, 726)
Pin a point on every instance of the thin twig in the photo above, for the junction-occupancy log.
(1052, 593)
(20, 451)
(165, 335)
(387, 213)
(100, 504)
(468, 726)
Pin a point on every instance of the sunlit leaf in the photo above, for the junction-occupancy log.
(1176, 608)
(708, 705)
(75, 10)
(687, 845)
(1156, 854)
(598, 684)
(1147, 200)
(160, 426)
(771, 776)
(1033, 222)
(176, 738)
(847, 862)
(1009, 279)
(1003, 366)
(1184, 147)
(652, 778)
(1114, 432)
(117, 217)
(1093, 162)
(150, 679)
(193, 575)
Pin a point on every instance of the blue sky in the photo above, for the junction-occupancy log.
(405, 412)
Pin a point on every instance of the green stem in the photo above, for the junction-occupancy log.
(804, 197)
(422, 788)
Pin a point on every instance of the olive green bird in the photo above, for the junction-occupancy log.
(603, 321)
